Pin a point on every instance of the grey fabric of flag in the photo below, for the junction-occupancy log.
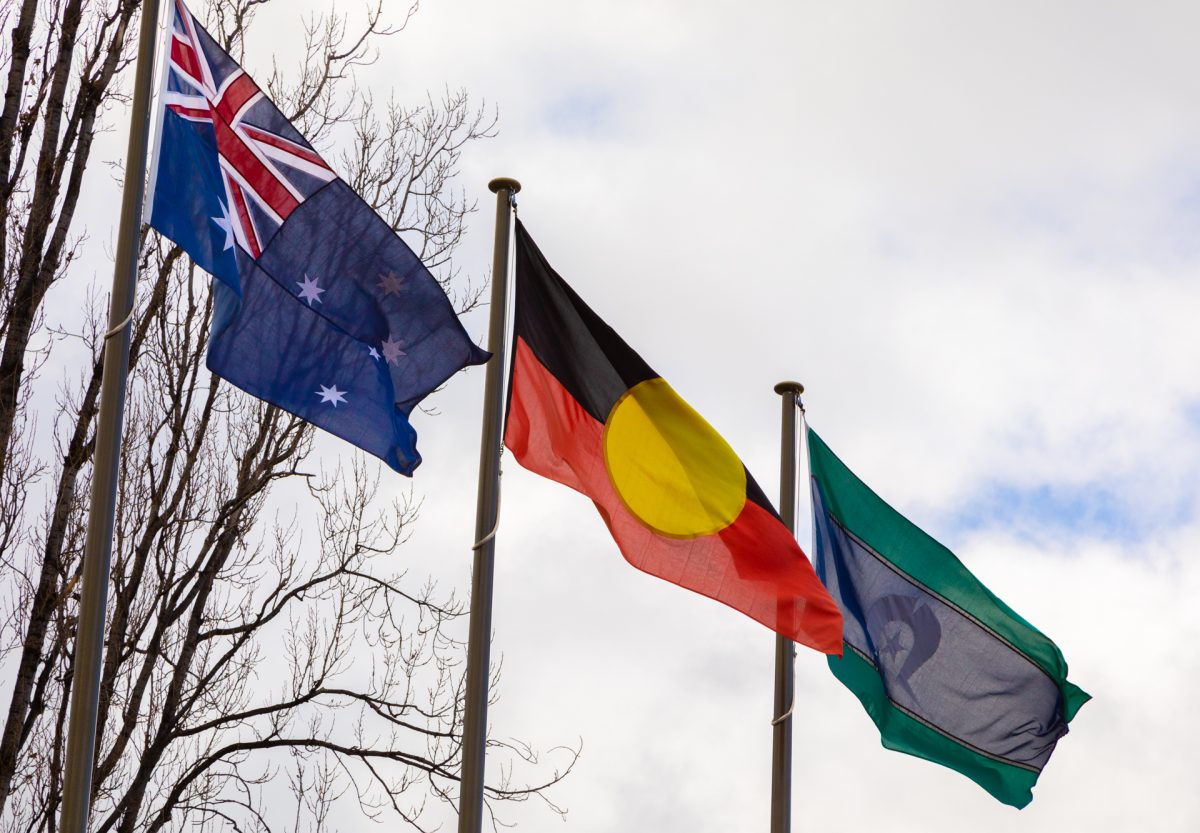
(937, 663)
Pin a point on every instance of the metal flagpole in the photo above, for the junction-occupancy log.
(470, 802)
(97, 552)
(785, 651)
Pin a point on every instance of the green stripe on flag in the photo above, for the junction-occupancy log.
(916, 554)
(902, 732)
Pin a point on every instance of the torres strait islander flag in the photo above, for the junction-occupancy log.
(947, 671)
(319, 307)
(586, 411)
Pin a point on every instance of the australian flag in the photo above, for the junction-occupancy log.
(320, 308)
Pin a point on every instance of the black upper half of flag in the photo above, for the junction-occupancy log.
(587, 357)
(592, 362)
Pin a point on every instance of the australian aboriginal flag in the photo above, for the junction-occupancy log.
(587, 411)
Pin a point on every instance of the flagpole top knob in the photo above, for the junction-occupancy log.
(504, 183)
(789, 387)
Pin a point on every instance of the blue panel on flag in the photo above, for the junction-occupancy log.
(334, 382)
(366, 281)
(190, 168)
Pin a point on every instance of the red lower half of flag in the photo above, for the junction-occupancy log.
(753, 564)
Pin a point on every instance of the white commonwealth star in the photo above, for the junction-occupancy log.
(309, 290)
(390, 284)
(392, 351)
(331, 395)
(225, 224)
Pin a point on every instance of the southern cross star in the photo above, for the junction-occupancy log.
(374, 353)
(225, 224)
(392, 351)
(390, 284)
(331, 395)
(309, 290)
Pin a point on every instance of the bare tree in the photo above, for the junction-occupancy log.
(59, 74)
(266, 665)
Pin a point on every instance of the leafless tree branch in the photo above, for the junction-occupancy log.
(262, 643)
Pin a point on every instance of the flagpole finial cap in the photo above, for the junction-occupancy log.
(504, 183)
(789, 387)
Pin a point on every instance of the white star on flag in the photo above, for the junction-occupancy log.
(392, 351)
(225, 224)
(331, 395)
(309, 290)
(374, 353)
(390, 284)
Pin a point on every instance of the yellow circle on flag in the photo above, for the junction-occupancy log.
(670, 468)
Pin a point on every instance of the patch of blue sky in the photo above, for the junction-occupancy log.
(1175, 223)
(583, 113)
(893, 245)
(1191, 415)
(1187, 195)
(1045, 511)
(1047, 213)
(1179, 178)
(1099, 220)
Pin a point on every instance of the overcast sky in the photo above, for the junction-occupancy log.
(970, 230)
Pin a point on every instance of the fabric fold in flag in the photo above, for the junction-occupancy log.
(586, 411)
(946, 670)
(319, 307)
